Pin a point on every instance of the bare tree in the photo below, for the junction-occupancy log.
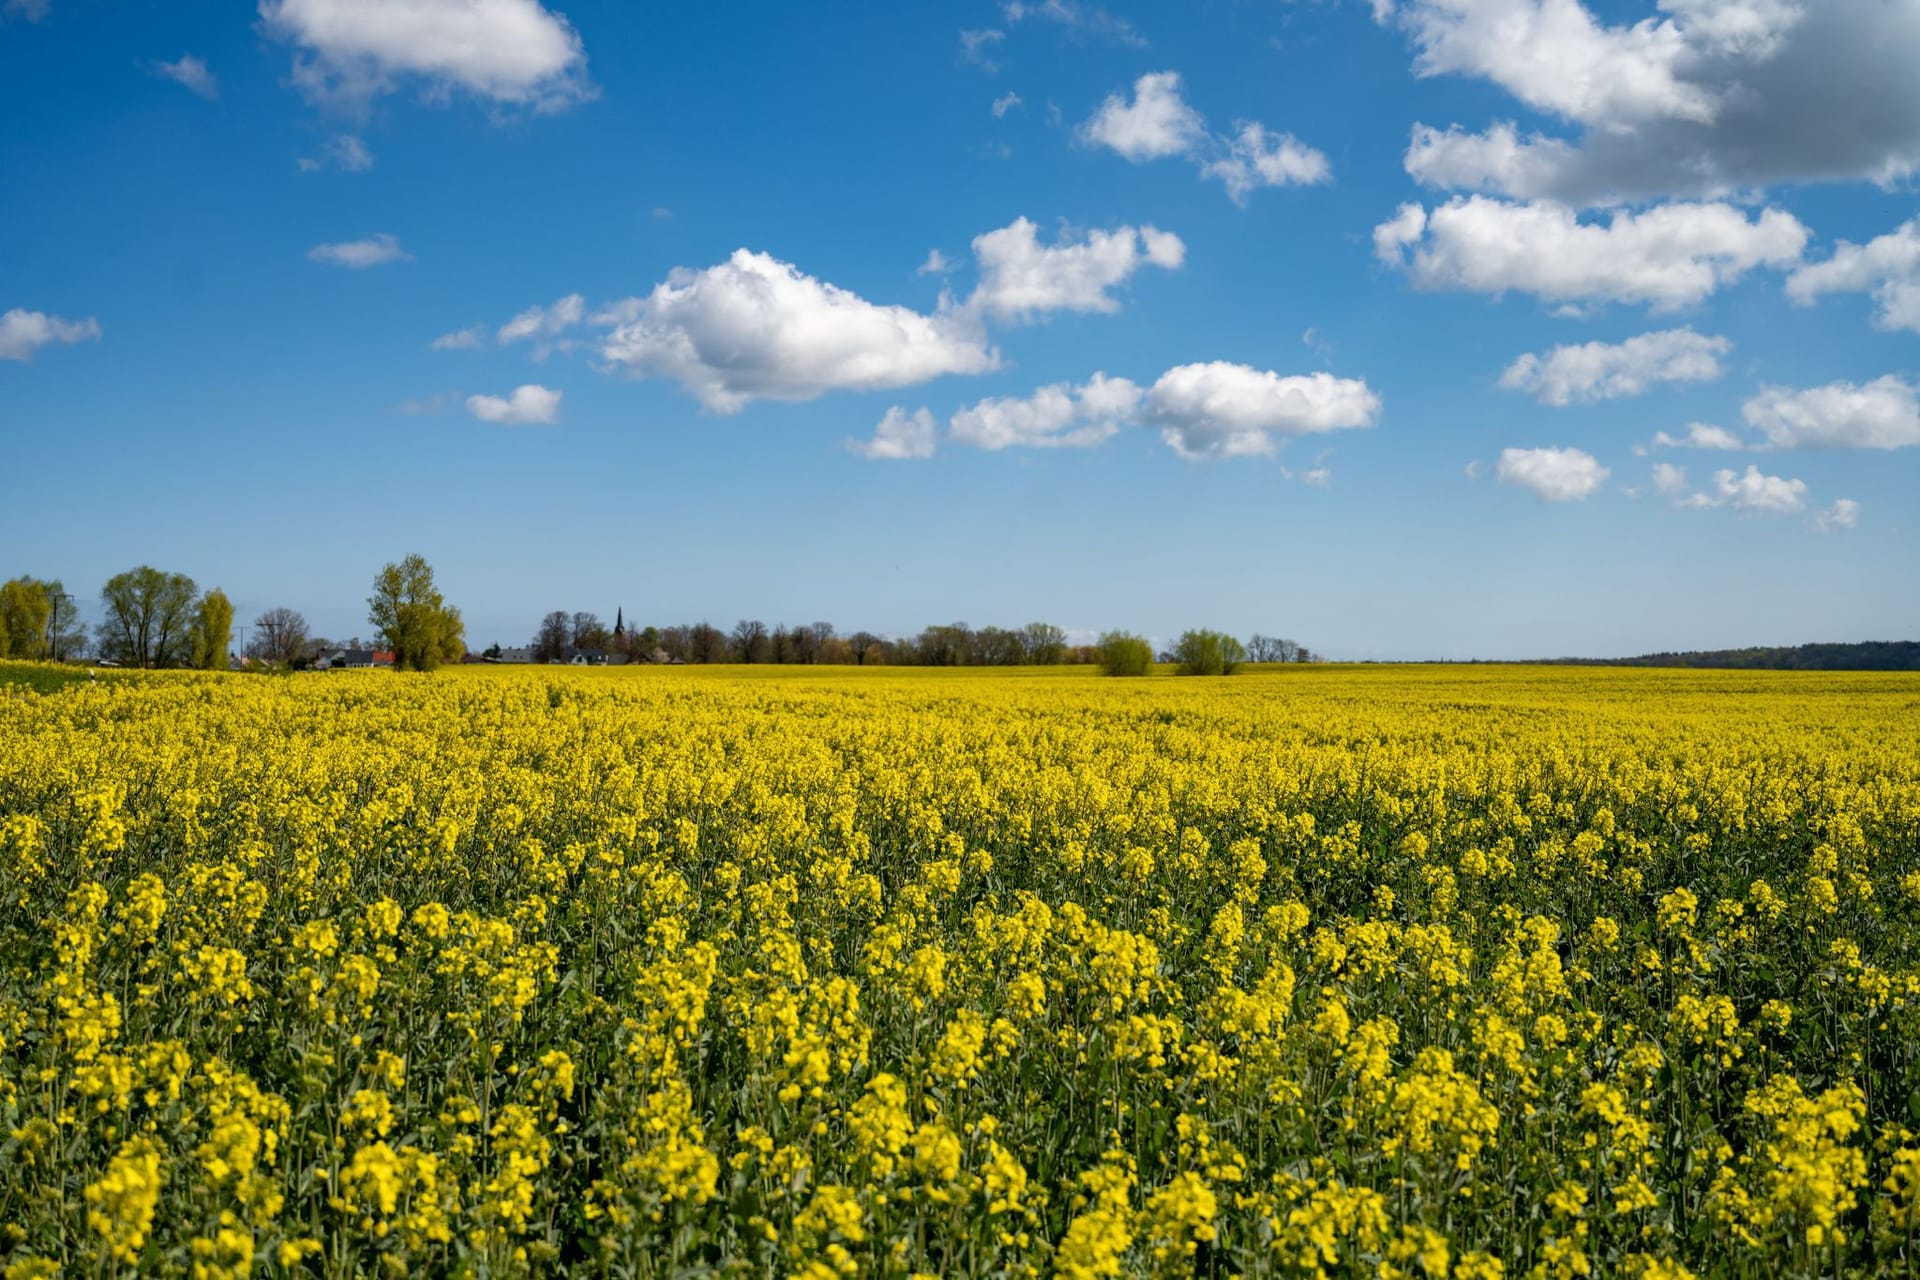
(551, 640)
(279, 637)
(706, 643)
(866, 647)
(749, 641)
(584, 631)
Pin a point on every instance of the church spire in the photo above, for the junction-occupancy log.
(619, 622)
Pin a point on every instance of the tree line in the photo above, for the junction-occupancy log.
(1870, 655)
(154, 618)
(563, 634)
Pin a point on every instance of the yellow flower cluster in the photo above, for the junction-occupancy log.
(1443, 974)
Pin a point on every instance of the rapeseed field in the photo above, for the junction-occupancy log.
(1395, 972)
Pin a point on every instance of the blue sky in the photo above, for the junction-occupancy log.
(1406, 328)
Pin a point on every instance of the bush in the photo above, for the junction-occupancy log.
(1124, 654)
(1208, 653)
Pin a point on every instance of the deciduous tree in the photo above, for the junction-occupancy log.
(26, 607)
(149, 617)
(212, 631)
(413, 619)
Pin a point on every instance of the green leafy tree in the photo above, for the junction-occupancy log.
(212, 630)
(413, 619)
(26, 606)
(1208, 653)
(1044, 643)
(1124, 654)
(149, 617)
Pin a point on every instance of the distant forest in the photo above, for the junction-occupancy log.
(1872, 655)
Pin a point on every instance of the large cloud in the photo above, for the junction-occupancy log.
(1708, 98)
(1220, 410)
(1212, 410)
(1668, 257)
(1887, 266)
(1021, 279)
(24, 332)
(513, 52)
(1554, 475)
(1594, 371)
(1157, 123)
(1882, 414)
(754, 327)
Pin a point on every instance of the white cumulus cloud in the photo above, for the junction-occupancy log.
(899, 435)
(1590, 371)
(461, 339)
(1005, 103)
(511, 52)
(1887, 266)
(1220, 410)
(1669, 256)
(1157, 123)
(1669, 479)
(1843, 514)
(359, 254)
(1753, 491)
(1707, 99)
(24, 332)
(1020, 278)
(1554, 475)
(1882, 414)
(530, 403)
(754, 327)
(543, 326)
(1059, 416)
(1700, 435)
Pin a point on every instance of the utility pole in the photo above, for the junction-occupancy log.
(53, 619)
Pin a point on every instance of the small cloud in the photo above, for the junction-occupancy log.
(1843, 514)
(1005, 103)
(544, 325)
(374, 251)
(1475, 469)
(345, 152)
(1700, 435)
(24, 332)
(899, 435)
(428, 406)
(935, 265)
(528, 404)
(977, 47)
(661, 213)
(1077, 19)
(191, 72)
(30, 10)
(1554, 475)
(1319, 477)
(1669, 479)
(461, 339)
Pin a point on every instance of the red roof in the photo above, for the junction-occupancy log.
(382, 657)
